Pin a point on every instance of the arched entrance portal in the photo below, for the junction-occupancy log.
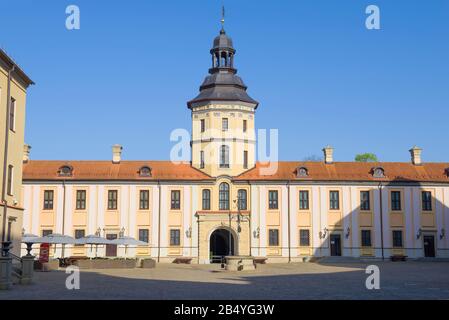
(221, 240)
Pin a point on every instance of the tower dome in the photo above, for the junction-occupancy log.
(222, 84)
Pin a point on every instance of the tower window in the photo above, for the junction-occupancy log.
(244, 125)
(224, 124)
(224, 156)
(203, 125)
(245, 159)
(223, 196)
(202, 160)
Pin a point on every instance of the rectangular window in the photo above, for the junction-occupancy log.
(245, 126)
(144, 235)
(175, 237)
(396, 201)
(334, 197)
(365, 201)
(12, 115)
(304, 238)
(224, 156)
(397, 239)
(245, 159)
(9, 234)
(304, 200)
(206, 199)
(366, 238)
(203, 125)
(273, 240)
(224, 124)
(112, 199)
(243, 202)
(175, 200)
(80, 199)
(273, 200)
(426, 200)
(79, 233)
(46, 232)
(48, 199)
(144, 203)
(202, 164)
(9, 187)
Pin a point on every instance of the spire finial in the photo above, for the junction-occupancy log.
(222, 18)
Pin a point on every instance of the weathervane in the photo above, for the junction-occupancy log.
(222, 17)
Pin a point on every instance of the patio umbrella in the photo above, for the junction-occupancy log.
(93, 239)
(29, 238)
(55, 239)
(128, 241)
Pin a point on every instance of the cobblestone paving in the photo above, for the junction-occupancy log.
(399, 280)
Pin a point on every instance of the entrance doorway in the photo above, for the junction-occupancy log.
(429, 246)
(335, 240)
(111, 249)
(221, 245)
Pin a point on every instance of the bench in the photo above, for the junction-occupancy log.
(398, 258)
(260, 260)
(185, 260)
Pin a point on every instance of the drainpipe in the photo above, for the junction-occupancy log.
(288, 232)
(381, 222)
(5, 245)
(159, 225)
(63, 214)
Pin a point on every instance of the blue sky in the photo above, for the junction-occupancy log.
(320, 76)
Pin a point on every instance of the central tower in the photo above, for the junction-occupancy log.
(223, 128)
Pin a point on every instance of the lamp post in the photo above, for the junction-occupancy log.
(240, 219)
(381, 221)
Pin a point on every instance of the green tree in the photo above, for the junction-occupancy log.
(366, 157)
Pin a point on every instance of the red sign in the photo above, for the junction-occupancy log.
(44, 252)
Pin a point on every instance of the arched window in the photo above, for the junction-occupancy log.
(223, 197)
(206, 199)
(302, 172)
(224, 156)
(242, 199)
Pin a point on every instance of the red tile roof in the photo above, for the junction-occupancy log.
(106, 170)
(166, 170)
(351, 171)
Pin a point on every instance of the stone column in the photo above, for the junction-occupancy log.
(5, 273)
(27, 269)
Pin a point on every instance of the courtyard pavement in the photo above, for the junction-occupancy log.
(325, 280)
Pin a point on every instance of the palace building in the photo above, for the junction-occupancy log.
(13, 89)
(224, 203)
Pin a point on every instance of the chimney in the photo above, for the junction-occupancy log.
(415, 152)
(328, 155)
(26, 153)
(116, 153)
